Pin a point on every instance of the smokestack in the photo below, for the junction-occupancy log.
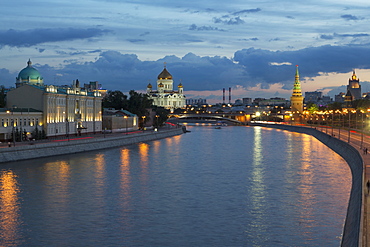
(223, 96)
(229, 95)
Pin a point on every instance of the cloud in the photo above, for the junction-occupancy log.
(351, 17)
(249, 68)
(228, 21)
(279, 64)
(336, 35)
(247, 11)
(135, 40)
(31, 37)
(204, 28)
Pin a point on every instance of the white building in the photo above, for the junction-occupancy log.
(165, 96)
(65, 110)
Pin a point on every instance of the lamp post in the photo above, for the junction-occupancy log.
(362, 128)
(349, 126)
(340, 125)
(126, 118)
(143, 117)
(156, 117)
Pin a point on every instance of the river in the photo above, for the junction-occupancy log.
(235, 186)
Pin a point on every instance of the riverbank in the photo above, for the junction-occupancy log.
(353, 223)
(64, 146)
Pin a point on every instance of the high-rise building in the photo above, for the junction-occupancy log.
(354, 86)
(296, 101)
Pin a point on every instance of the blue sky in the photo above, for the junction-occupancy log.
(250, 46)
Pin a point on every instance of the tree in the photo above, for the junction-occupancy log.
(2, 96)
(311, 107)
(335, 106)
(115, 99)
(138, 103)
(361, 104)
(161, 115)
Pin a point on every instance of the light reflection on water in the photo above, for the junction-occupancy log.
(238, 186)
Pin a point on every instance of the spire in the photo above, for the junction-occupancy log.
(297, 92)
(29, 63)
(354, 76)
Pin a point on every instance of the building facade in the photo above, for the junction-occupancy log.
(65, 109)
(119, 121)
(165, 95)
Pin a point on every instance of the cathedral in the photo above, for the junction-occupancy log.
(165, 96)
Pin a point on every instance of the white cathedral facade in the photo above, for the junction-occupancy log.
(165, 96)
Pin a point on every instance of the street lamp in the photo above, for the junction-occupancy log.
(143, 117)
(126, 118)
(157, 116)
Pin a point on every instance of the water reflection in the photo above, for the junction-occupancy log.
(125, 175)
(258, 193)
(9, 209)
(144, 153)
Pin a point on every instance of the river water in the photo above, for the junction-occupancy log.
(235, 186)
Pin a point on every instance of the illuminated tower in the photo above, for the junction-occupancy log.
(296, 101)
(354, 86)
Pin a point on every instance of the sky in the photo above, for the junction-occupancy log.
(248, 45)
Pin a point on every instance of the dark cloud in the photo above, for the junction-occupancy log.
(246, 11)
(228, 21)
(250, 39)
(336, 35)
(144, 34)
(135, 40)
(30, 37)
(350, 17)
(249, 67)
(204, 28)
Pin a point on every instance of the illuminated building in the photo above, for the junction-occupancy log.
(296, 101)
(165, 96)
(354, 87)
(65, 109)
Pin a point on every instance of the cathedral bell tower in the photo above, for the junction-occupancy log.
(296, 101)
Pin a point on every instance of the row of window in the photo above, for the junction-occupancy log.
(5, 122)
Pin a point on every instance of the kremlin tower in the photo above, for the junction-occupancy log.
(296, 101)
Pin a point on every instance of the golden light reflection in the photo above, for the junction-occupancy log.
(125, 173)
(9, 208)
(144, 154)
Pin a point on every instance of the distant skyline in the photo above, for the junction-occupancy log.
(250, 46)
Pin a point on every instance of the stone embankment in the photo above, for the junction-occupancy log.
(39, 150)
(352, 226)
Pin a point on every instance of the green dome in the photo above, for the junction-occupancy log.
(30, 75)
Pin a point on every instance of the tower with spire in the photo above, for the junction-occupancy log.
(354, 87)
(296, 101)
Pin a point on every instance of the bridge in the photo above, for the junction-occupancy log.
(211, 119)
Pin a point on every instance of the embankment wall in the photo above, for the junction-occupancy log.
(40, 150)
(352, 226)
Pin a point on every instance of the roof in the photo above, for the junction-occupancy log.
(29, 73)
(165, 75)
(15, 109)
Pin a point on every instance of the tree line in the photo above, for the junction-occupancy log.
(136, 103)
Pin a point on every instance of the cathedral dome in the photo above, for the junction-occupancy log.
(29, 75)
(165, 75)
